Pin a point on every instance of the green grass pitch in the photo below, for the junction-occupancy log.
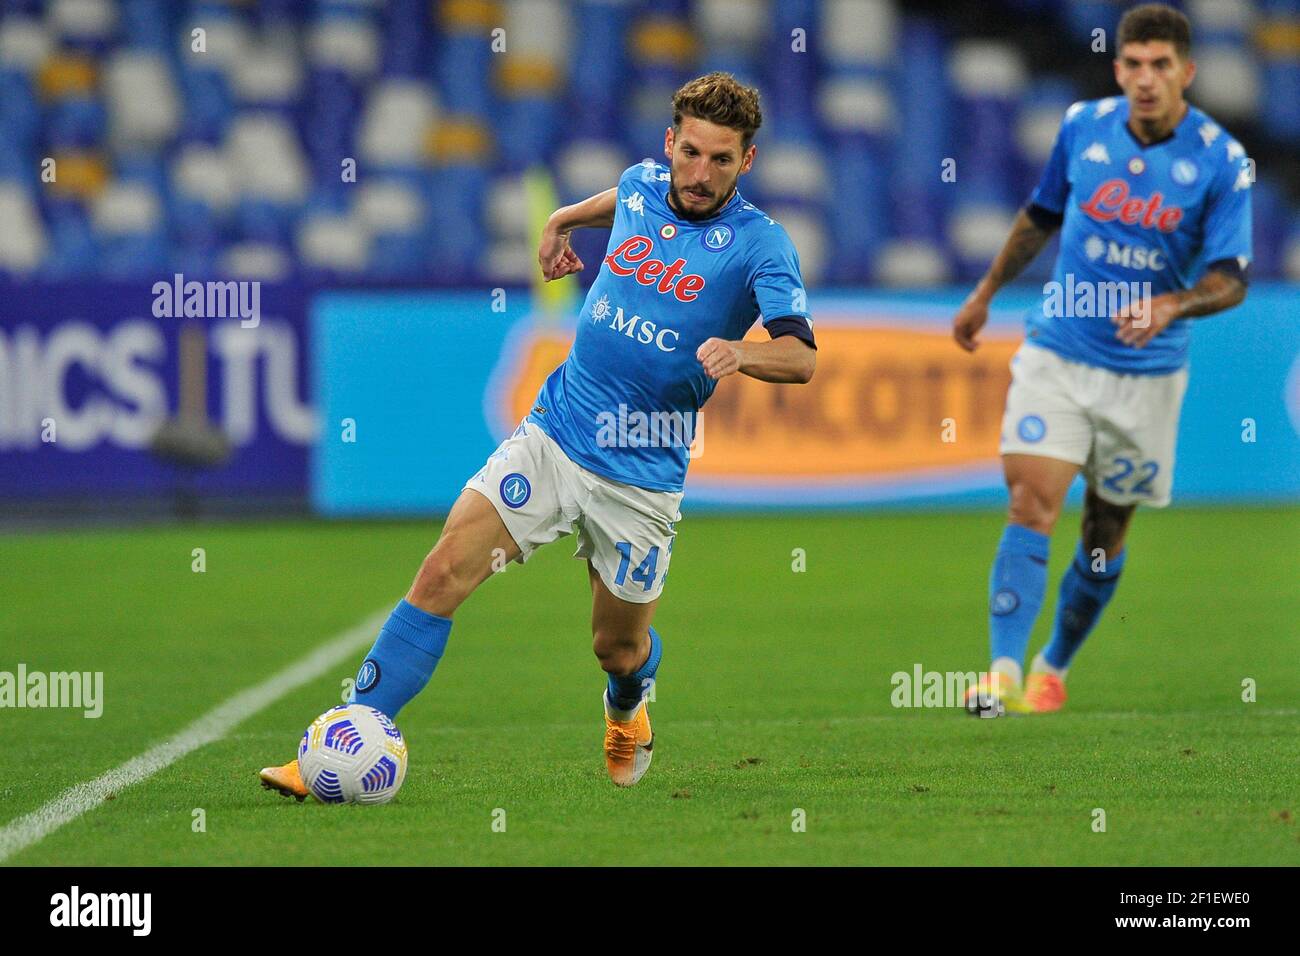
(774, 696)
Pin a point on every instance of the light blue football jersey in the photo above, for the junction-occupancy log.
(666, 285)
(1155, 214)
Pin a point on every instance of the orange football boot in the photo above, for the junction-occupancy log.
(1044, 693)
(286, 780)
(629, 746)
(994, 695)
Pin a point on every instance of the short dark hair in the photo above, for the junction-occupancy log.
(1156, 21)
(722, 99)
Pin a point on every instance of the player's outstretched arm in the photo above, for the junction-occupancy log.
(1026, 241)
(784, 359)
(555, 255)
(1139, 322)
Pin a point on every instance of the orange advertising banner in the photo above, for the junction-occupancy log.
(887, 400)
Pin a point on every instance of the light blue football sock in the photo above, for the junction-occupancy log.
(1016, 587)
(1084, 595)
(625, 693)
(408, 648)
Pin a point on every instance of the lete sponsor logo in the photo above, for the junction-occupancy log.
(631, 258)
(1112, 201)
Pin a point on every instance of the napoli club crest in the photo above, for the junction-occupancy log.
(1183, 171)
(368, 676)
(515, 490)
(1004, 602)
(717, 237)
(1031, 428)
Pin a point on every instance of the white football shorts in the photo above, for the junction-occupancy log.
(541, 494)
(1122, 429)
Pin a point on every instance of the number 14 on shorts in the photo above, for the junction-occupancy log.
(645, 571)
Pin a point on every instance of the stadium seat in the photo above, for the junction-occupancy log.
(244, 137)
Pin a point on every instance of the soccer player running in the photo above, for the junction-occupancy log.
(1150, 192)
(689, 266)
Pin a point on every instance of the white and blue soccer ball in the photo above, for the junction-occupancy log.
(352, 754)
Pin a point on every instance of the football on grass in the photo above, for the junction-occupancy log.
(352, 754)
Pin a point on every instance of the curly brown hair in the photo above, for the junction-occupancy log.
(1156, 21)
(719, 98)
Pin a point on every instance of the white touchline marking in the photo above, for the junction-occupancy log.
(33, 827)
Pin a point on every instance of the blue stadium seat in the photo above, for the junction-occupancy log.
(244, 144)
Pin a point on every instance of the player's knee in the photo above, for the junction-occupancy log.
(1031, 508)
(617, 652)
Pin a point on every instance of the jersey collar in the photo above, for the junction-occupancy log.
(1182, 124)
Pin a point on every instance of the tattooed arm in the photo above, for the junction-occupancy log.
(1027, 239)
(1140, 322)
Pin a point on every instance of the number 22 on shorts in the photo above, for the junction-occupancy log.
(1149, 470)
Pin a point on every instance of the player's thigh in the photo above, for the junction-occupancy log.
(532, 487)
(474, 542)
(475, 532)
(1047, 435)
(1136, 422)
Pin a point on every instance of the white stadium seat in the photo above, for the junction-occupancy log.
(397, 119)
(266, 158)
(144, 109)
(22, 240)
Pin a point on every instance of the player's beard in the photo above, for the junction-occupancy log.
(690, 215)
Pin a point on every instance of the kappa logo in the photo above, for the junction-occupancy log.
(635, 203)
(1096, 153)
(631, 258)
(1244, 178)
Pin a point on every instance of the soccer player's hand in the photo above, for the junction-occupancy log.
(972, 315)
(1139, 322)
(719, 357)
(556, 256)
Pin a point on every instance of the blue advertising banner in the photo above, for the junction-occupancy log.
(90, 374)
(416, 389)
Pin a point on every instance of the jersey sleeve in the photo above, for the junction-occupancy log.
(1053, 190)
(1227, 214)
(776, 285)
